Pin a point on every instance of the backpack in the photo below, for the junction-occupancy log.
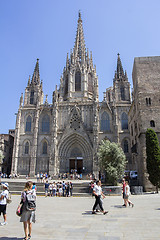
(9, 200)
(30, 202)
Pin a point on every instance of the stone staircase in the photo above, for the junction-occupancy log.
(80, 189)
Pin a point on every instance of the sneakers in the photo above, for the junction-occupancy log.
(3, 223)
(105, 212)
(93, 212)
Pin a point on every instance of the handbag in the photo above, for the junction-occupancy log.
(19, 209)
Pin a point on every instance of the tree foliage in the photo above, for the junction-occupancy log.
(153, 157)
(112, 160)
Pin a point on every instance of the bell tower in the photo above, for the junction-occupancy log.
(33, 91)
(121, 86)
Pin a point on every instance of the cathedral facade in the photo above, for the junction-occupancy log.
(65, 135)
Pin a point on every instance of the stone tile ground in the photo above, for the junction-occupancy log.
(71, 218)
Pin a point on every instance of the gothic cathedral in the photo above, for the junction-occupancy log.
(65, 135)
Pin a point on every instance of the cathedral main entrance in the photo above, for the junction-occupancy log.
(75, 153)
(76, 164)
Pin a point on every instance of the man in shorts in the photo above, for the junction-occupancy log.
(3, 202)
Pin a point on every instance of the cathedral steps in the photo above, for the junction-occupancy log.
(80, 189)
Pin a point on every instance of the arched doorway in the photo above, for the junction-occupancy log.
(75, 152)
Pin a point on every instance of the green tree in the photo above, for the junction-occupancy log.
(153, 157)
(112, 160)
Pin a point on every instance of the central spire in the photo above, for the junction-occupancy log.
(120, 72)
(36, 76)
(79, 47)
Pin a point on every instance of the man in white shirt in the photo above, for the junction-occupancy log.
(3, 202)
(97, 191)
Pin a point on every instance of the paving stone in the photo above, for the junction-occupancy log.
(71, 218)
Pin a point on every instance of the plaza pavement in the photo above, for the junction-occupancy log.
(71, 218)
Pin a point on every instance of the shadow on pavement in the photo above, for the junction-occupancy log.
(87, 213)
(10, 238)
(157, 209)
(118, 206)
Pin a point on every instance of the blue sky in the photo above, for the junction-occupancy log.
(46, 29)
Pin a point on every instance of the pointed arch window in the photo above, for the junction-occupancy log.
(105, 122)
(124, 121)
(122, 93)
(28, 124)
(44, 148)
(125, 146)
(90, 83)
(26, 148)
(45, 124)
(32, 97)
(78, 81)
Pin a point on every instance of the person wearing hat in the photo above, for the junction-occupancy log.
(3, 202)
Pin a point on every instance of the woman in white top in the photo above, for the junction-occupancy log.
(3, 202)
(97, 191)
(126, 195)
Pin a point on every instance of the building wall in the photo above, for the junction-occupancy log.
(145, 108)
(6, 146)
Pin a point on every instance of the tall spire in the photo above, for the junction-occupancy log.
(36, 76)
(79, 47)
(120, 72)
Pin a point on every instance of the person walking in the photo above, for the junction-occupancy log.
(34, 186)
(54, 189)
(127, 194)
(3, 202)
(97, 191)
(63, 188)
(71, 188)
(123, 191)
(50, 189)
(28, 198)
(67, 189)
(46, 186)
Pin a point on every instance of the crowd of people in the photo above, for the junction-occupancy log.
(41, 177)
(58, 189)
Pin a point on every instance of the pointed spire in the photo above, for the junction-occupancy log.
(36, 76)
(126, 77)
(79, 47)
(29, 80)
(120, 72)
(91, 59)
(21, 100)
(46, 100)
(67, 61)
